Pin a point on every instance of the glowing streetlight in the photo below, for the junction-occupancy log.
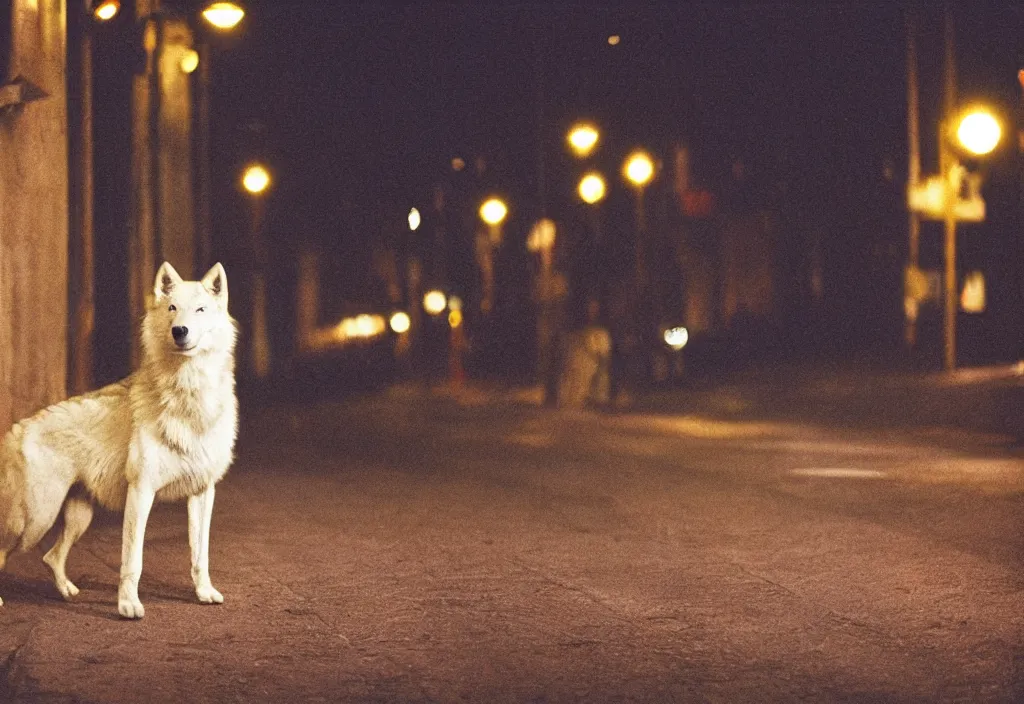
(400, 322)
(592, 188)
(256, 179)
(107, 10)
(189, 61)
(493, 211)
(223, 15)
(414, 219)
(676, 337)
(583, 138)
(639, 169)
(434, 302)
(978, 132)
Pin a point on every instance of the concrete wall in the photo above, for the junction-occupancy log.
(34, 216)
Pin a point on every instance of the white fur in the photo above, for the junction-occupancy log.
(167, 432)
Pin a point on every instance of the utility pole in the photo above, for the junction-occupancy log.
(947, 169)
(80, 250)
(144, 237)
(910, 303)
(201, 157)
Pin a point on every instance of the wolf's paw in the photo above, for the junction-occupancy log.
(209, 595)
(130, 607)
(68, 590)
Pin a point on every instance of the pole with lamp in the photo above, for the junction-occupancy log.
(954, 195)
(548, 291)
(583, 138)
(639, 170)
(221, 17)
(81, 262)
(493, 212)
(256, 181)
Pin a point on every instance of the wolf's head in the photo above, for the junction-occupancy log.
(190, 318)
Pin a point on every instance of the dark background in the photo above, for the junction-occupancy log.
(360, 107)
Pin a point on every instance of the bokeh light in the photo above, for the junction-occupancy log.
(256, 179)
(979, 132)
(592, 188)
(223, 15)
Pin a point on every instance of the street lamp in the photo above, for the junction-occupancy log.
(493, 212)
(189, 61)
(434, 302)
(592, 188)
(106, 10)
(639, 170)
(256, 182)
(978, 132)
(414, 219)
(255, 179)
(583, 138)
(223, 15)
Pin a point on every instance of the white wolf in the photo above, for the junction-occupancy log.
(166, 432)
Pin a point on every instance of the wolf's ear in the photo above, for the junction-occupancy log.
(216, 282)
(166, 279)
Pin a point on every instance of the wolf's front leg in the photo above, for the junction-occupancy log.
(200, 511)
(136, 514)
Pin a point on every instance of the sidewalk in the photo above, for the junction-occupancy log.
(986, 400)
(979, 399)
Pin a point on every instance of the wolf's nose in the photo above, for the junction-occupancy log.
(179, 333)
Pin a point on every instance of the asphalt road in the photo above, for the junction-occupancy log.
(408, 547)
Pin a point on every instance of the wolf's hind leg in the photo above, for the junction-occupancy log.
(9, 537)
(77, 517)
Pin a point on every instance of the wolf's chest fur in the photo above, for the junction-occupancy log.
(186, 426)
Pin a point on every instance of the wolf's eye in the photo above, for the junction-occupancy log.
(200, 310)
(172, 308)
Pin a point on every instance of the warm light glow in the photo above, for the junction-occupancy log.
(360, 327)
(454, 303)
(256, 179)
(414, 219)
(972, 297)
(455, 318)
(458, 164)
(979, 132)
(542, 236)
(677, 337)
(106, 10)
(493, 211)
(189, 61)
(223, 15)
(434, 302)
(639, 169)
(614, 39)
(400, 322)
(592, 188)
(583, 138)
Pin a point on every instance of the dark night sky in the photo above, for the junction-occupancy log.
(364, 100)
(359, 108)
